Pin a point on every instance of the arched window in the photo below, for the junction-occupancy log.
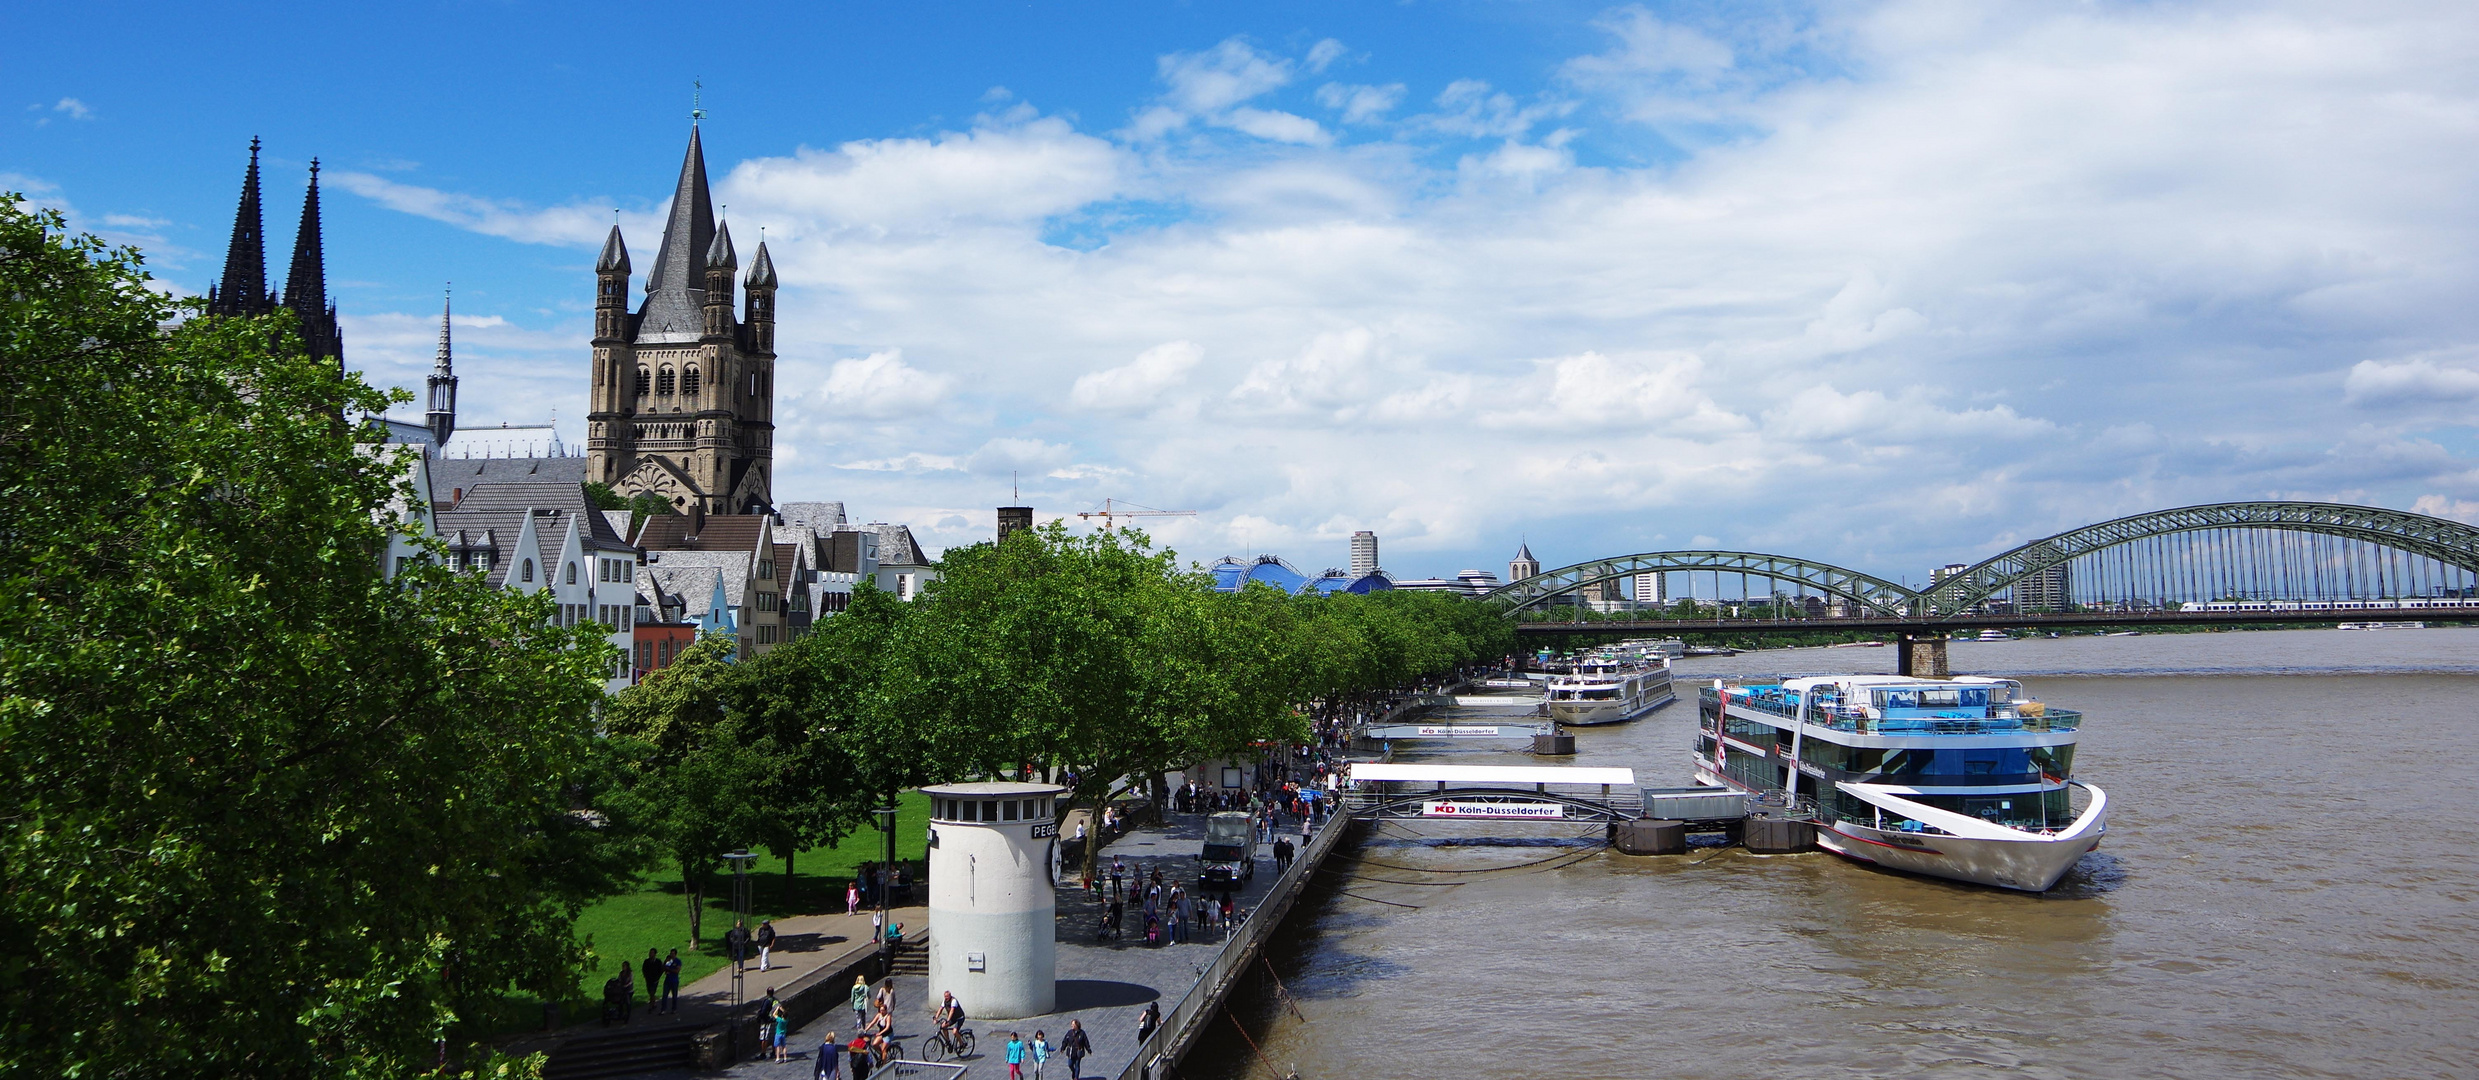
(528, 569)
(688, 380)
(645, 382)
(662, 382)
(572, 573)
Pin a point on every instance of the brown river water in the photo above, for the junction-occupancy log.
(2286, 891)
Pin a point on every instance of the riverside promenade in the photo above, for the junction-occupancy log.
(1107, 984)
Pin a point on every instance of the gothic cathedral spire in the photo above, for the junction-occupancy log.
(442, 414)
(243, 290)
(305, 287)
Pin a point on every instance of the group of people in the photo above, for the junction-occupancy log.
(1172, 915)
(739, 940)
(873, 1014)
(620, 991)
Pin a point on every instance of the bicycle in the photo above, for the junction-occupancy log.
(939, 1046)
(895, 1052)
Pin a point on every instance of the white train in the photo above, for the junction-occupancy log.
(2414, 603)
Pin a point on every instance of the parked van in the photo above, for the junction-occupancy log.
(1230, 854)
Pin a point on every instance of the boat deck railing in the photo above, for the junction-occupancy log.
(1857, 720)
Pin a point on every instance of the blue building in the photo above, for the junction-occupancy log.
(1231, 574)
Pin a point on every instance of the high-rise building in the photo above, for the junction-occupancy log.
(1652, 588)
(1363, 553)
(2047, 590)
(683, 392)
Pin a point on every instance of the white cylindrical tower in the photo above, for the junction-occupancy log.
(994, 857)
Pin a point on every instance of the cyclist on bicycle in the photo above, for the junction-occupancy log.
(950, 1017)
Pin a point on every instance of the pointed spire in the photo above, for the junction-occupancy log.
(305, 286)
(720, 253)
(1523, 552)
(762, 269)
(615, 254)
(675, 290)
(441, 416)
(243, 290)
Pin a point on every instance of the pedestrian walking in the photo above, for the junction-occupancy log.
(860, 1000)
(736, 942)
(830, 1063)
(1075, 1044)
(765, 942)
(1040, 1049)
(671, 982)
(652, 972)
(859, 1053)
(877, 925)
(1015, 1055)
(852, 897)
(628, 996)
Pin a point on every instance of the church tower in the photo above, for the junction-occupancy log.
(243, 292)
(441, 416)
(683, 391)
(1523, 565)
(305, 286)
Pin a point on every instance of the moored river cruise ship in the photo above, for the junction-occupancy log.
(1962, 778)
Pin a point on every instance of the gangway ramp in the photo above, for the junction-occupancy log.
(1493, 792)
(1456, 731)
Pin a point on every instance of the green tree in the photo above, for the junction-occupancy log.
(270, 813)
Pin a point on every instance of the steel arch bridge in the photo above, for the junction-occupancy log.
(1868, 592)
(2449, 543)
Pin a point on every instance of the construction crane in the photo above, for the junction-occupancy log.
(1110, 511)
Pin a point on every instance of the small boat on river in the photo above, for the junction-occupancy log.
(1965, 778)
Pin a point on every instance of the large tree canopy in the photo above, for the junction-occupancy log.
(269, 813)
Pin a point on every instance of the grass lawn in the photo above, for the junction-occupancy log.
(656, 914)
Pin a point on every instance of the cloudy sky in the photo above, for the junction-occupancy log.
(1890, 284)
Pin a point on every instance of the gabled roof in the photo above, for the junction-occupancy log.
(689, 576)
(895, 544)
(720, 532)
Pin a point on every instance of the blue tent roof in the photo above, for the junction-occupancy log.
(1231, 574)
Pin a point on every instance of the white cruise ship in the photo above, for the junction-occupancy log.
(1961, 778)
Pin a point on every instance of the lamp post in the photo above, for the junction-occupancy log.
(886, 888)
(740, 861)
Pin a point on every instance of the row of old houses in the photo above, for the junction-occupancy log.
(660, 583)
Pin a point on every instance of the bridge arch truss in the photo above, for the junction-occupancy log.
(1864, 592)
(2230, 536)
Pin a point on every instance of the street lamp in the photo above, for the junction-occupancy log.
(886, 885)
(740, 861)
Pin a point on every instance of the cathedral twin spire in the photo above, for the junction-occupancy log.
(243, 290)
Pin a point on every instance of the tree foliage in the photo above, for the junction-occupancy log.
(270, 814)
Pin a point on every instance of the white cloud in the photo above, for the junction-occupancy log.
(1323, 55)
(1360, 104)
(575, 225)
(74, 109)
(879, 386)
(2015, 267)
(1142, 384)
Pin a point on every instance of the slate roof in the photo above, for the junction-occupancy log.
(822, 516)
(675, 288)
(447, 475)
(895, 545)
(689, 576)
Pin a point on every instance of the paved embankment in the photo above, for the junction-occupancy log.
(1106, 984)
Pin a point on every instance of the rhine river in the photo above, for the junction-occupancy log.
(2286, 890)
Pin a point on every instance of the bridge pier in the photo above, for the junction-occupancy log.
(1922, 655)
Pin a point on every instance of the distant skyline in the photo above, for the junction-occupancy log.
(1891, 285)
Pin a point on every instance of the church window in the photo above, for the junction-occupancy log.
(688, 380)
(662, 382)
(528, 570)
(645, 382)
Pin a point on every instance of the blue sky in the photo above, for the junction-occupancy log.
(1893, 284)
